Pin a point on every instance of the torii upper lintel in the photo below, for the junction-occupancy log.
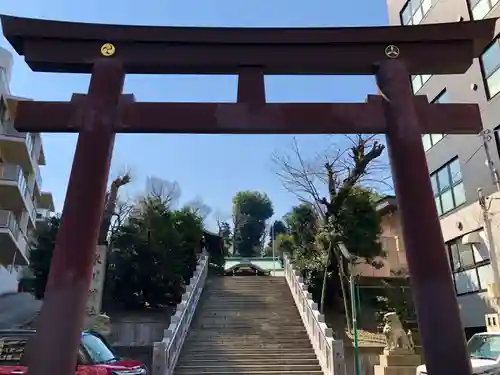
(72, 47)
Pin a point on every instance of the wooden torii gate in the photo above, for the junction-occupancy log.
(109, 52)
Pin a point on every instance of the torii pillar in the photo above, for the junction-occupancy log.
(430, 275)
(250, 53)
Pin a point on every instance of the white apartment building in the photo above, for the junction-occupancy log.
(22, 201)
(458, 164)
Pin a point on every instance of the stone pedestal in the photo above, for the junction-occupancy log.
(398, 364)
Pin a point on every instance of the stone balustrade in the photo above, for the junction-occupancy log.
(166, 352)
(329, 351)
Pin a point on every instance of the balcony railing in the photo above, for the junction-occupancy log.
(42, 214)
(13, 172)
(8, 220)
(38, 177)
(7, 128)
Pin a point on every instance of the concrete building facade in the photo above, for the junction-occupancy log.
(458, 164)
(391, 239)
(22, 201)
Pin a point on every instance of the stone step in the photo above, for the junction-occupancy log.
(257, 322)
(235, 289)
(229, 328)
(250, 331)
(246, 285)
(241, 300)
(216, 349)
(263, 341)
(258, 310)
(250, 302)
(236, 367)
(244, 372)
(250, 313)
(254, 305)
(247, 326)
(271, 346)
(240, 294)
(273, 335)
(247, 354)
(252, 341)
(248, 362)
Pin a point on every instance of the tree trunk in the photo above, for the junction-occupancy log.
(109, 209)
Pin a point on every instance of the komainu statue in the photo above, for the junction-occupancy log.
(397, 340)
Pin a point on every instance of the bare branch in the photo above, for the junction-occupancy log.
(319, 179)
(169, 192)
(122, 212)
(200, 207)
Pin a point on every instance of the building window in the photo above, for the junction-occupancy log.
(480, 8)
(3, 110)
(448, 187)
(418, 81)
(471, 272)
(414, 11)
(496, 133)
(430, 140)
(490, 64)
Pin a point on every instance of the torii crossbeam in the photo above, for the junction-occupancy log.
(109, 52)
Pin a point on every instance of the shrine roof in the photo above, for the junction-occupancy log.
(58, 46)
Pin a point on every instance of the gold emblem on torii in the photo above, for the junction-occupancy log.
(108, 49)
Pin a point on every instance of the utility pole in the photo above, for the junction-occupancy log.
(493, 290)
(487, 137)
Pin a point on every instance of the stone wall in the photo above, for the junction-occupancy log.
(139, 328)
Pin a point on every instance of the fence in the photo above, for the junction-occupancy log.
(166, 352)
(329, 351)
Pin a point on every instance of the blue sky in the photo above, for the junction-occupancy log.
(212, 167)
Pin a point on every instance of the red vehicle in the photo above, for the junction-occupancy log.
(95, 356)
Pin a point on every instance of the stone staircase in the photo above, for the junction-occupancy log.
(247, 325)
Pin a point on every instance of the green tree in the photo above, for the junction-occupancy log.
(41, 254)
(301, 223)
(284, 243)
(154, 255)
(227, 236)
(251, 210)
(278, 227)
(346, 212)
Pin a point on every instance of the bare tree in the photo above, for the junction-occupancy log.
(200, 207)
(169, 192)
(309, 179)
(122, 211)
(328, 186)
(110, 206)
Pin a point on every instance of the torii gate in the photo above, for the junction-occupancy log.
(109, 52)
